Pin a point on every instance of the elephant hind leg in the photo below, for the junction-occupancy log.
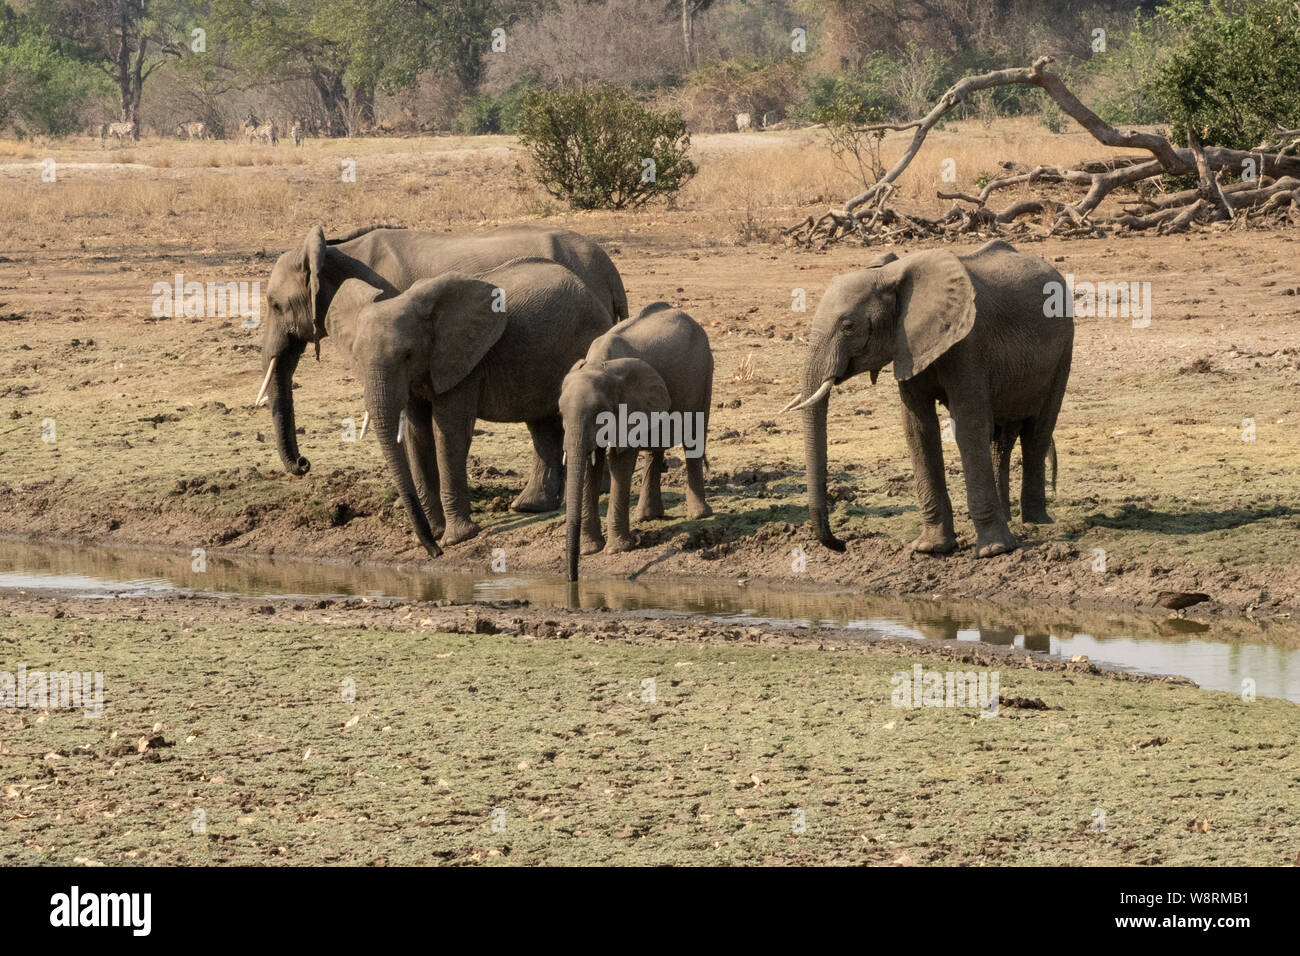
(542, 493)
(1036, 446)
(696, 506)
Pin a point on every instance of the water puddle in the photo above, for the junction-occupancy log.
(1218, 656)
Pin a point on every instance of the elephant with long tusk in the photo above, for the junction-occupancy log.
(971, 332)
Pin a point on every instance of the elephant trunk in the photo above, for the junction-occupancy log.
(386, 410)
(575, 450)
(280, 392)
(814, 443)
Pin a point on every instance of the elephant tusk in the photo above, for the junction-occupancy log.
(365, 420)
(815, 397)
(593, 458)
(564, 459)
(798, 397)
(266, 380)
(401, 426)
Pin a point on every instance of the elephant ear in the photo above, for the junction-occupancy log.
(936, 309)
(468, 316)
(352, 296)
(637, 385)
(313, 262)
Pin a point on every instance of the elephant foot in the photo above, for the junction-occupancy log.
(536, 501)
(616, 544)
(458, 531)
(934, 539)
(650, 513)
(592, 545)
(994, 541)
(696, 512)
(1035, 514)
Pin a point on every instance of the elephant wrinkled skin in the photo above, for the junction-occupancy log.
(451, 350)
(659, 361)
(304, 282)
(970, 332)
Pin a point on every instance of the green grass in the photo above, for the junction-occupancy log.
(450, 727)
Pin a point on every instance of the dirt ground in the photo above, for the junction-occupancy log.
(157, 442)
(514, 735)
(461, 712)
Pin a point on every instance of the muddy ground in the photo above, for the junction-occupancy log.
(157, 442)
(509, 734)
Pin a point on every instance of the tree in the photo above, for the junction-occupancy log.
(125, 39)
(1234, 78)
(40, 87)
(690, 9)
(459, 32)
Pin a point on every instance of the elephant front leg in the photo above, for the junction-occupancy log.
(921, 429)
(622, 462)
(651, 505)
(542, 493)
(974, 427)
(453, 429)
(421, 452)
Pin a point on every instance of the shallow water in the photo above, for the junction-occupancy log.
(1217, 655)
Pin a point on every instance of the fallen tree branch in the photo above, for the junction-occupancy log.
(868, 216)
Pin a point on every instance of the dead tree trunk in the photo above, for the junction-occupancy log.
(868, 216)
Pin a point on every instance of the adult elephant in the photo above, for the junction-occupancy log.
(969, 331)
(495, 347)
(304, 282)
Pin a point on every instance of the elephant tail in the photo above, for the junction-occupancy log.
(1051, 460)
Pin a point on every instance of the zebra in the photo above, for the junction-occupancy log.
(118, 131)
(254, 129)
(195, 130)
(296, 131)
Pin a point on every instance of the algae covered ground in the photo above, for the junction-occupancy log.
(520, 735)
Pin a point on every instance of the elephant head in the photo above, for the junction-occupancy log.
(425, 340)
(297, 297)
(906, 311)
(590, 389)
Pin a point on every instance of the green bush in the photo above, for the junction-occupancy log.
(599, 148)
(484, 114)
(1233, 73)
(44, 90)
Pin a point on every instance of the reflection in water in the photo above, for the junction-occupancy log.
(1218, 656)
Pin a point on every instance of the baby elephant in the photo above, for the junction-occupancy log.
(646, 383)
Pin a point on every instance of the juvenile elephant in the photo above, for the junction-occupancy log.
(658, 365)
(968, 331)
(304, 282)
(466, 348)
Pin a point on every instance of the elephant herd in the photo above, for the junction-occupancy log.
(531, 324)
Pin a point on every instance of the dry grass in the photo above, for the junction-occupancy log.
(755, 183)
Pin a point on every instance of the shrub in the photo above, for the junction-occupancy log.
(1232, 75)
(714, 93)
(484, 113)
(599, 148)
(40, 87)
